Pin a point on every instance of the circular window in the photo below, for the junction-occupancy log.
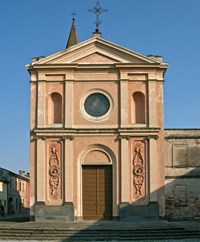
(96, 104)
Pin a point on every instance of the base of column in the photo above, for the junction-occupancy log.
(45, 212)
(129, 212)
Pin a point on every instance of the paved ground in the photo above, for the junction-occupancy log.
(15, 218)
(21, 222)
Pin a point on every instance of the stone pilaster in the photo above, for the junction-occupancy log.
(33, 174)
(68, 170)
(33, 106)
(68, 103)
(124, 103)
(152, 103)
(41, 111)
(41, 171)
(153, 170)
(125, 172)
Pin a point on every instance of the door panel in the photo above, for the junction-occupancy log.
(97, 192)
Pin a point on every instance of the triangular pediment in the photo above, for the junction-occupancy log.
(96, 58)
(96, 50)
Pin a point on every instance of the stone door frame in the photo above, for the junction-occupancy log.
(115, 181)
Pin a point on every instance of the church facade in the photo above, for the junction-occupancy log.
(97, 133)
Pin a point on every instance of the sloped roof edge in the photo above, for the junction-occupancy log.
(97, 40)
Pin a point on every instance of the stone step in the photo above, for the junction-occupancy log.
(58, 239)
(87, 234)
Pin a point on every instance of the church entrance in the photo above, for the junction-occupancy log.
(97, 192)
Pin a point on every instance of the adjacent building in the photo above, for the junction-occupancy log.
(4, 190)
(182, 174)
(14, 191)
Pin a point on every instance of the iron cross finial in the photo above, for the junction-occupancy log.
(73, 14)
(97, 10)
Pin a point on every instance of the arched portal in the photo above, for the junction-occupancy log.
(96, 183)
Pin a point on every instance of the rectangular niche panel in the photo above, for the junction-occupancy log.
(55, 171)
(180, 155)
(139, 171)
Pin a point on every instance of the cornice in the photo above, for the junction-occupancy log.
(73, 133)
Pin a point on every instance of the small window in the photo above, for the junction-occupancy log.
(1, 187)
(23, 187)
(20, 186)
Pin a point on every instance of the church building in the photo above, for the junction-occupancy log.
(98, 147)
(97, 133)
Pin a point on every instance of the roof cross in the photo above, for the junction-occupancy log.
(73, 14)
(97, 10)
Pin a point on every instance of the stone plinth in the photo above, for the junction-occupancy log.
(59, 213)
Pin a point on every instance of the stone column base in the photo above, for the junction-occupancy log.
(44, 212)
(129, 212)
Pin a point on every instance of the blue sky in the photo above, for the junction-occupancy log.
(31, 28)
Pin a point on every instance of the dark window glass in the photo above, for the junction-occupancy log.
(97, 104)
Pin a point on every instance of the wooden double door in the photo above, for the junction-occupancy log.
(97, 192)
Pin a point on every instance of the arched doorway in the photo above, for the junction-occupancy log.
(97, 198)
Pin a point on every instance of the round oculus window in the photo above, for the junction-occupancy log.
(96, 104)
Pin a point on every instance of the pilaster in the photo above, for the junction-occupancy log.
(68, 170)
(41, 171)
(32, 173)
(153, 173)
(125, 171)
(68, 103)
(41, 111)
(152, 103)
(124, 103)
(33, 106)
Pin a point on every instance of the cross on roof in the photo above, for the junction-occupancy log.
(73, 14)
(97, 10)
